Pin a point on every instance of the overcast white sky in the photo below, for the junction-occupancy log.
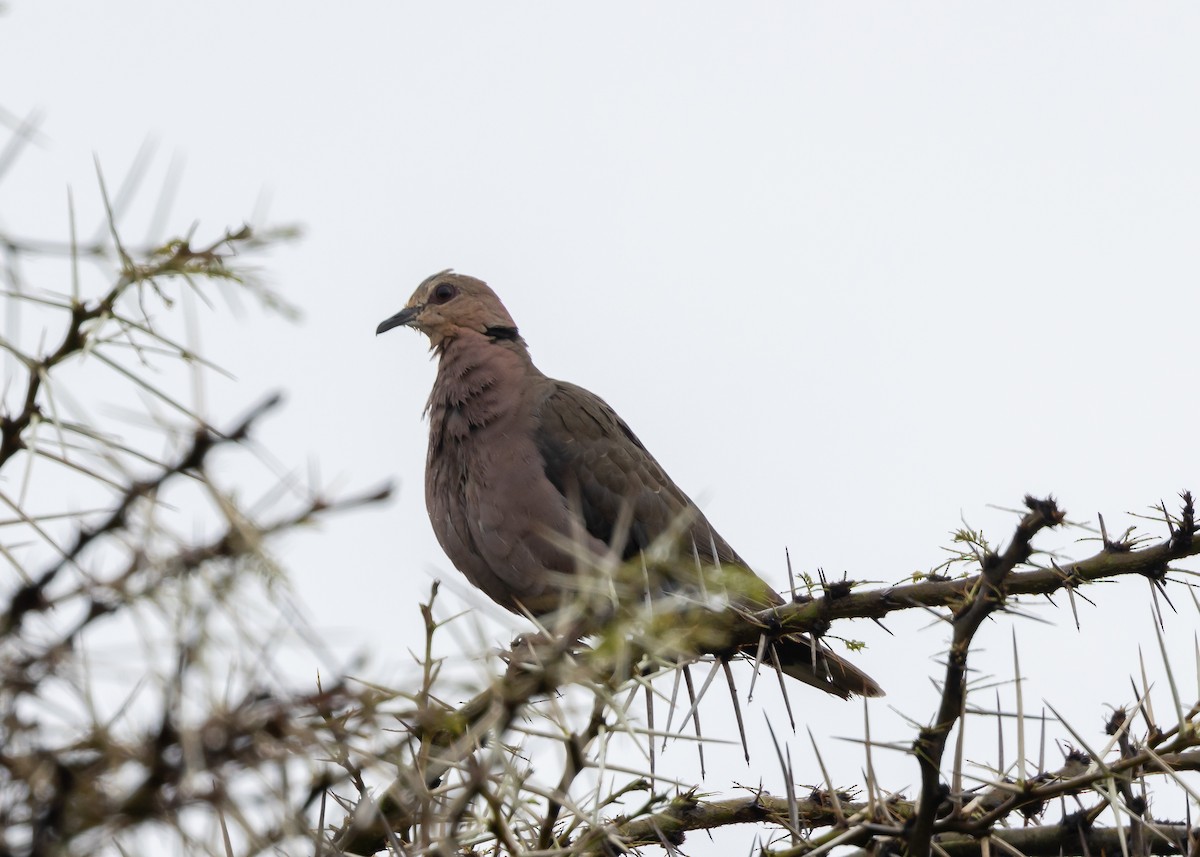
(853, 272)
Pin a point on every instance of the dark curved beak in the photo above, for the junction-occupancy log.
(405, 316)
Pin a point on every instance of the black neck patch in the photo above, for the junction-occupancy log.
(506, 333)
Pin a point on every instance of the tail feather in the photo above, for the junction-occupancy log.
(824, 671)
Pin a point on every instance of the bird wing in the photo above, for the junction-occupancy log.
(598, 464)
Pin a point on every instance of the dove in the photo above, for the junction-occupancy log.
(524, 471)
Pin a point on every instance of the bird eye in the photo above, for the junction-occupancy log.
(443, 293)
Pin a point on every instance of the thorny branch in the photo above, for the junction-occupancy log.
(193, 733)
(82, 328)
(32, 596)
(473, 725)
(983, 600)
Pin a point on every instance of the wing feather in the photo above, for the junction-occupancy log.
(598, 464)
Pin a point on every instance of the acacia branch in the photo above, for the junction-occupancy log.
(972, 599)
(687, 813)
(175, 259)
(31, 597)
(983, 600)
(1115, 560)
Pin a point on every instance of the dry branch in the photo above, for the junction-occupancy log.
(468, 729)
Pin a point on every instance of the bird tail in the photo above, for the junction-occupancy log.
(817, 666)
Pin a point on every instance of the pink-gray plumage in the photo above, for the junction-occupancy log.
(523, 469)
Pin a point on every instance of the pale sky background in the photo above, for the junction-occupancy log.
(853, 272)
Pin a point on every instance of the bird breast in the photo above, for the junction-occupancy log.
(489, 501)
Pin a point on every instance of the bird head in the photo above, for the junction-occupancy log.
(447, 305)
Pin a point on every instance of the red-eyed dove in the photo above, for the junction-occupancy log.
(524, 471)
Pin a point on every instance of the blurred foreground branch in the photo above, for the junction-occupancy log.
(141, 611)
